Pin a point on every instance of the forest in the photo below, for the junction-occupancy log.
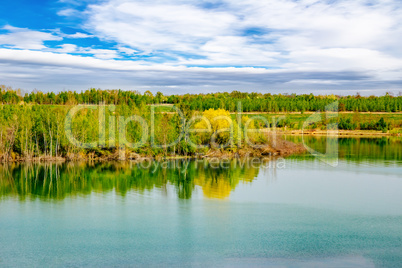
(250, 102)
(33, 125)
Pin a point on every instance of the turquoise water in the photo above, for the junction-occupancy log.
(297, 212)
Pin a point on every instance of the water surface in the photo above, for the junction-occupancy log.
(297, 212)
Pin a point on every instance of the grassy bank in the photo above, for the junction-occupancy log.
(348, 123)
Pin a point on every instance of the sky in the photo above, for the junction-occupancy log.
(199, 46)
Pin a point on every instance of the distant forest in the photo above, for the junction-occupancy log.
(250, 102)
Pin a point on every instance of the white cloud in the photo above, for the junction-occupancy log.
(152, 27)
(126, 50)
(332, 24)
(26, 39)
(22, 38)
(325, 31)
(97, 53)
(77, 35)
(345, 58)
(301, 43)
(66, 48)
(72, 2)
(100, 53)
(69, 12)
(54, 71)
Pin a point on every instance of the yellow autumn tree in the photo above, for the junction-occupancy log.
(220, 125)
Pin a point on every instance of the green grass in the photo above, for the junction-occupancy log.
(294, 120)
(165, 108)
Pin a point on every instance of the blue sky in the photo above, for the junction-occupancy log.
(186, 46)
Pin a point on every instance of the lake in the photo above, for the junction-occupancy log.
(293, 212)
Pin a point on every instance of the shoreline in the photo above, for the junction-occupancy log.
(282, 148)
(341, 133)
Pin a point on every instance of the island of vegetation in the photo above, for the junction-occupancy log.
(116, 124)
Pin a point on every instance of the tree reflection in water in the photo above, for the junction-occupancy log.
(58, 181)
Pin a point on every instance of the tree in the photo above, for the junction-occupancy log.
(221, 127)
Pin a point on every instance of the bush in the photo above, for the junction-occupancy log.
(346, 124)
(380, 125)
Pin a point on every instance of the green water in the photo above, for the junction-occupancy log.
(294, 212)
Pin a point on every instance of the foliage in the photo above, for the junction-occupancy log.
(220, 125)
(250, 102)
(32, 125)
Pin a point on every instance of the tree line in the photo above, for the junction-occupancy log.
(250, 102)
